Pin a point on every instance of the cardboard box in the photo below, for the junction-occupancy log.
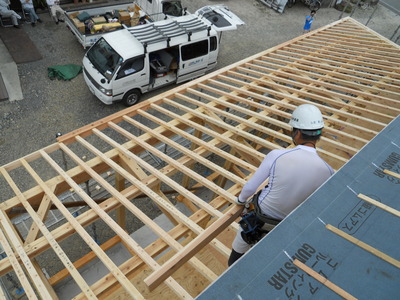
(134, 22)
(80, 25)
(99, 20)
(124, 16)
(126, 22)
(74, 14)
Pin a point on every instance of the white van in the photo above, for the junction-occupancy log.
(124, 64)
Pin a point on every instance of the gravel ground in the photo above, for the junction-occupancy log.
(55, 106)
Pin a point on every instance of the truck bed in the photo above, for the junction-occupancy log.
(89, 31)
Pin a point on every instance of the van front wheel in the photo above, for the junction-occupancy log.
(132, 97)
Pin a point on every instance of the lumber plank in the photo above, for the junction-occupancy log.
(199, 142)
(225, 126)
(81, 231)
(323, 280)
(121, 212)
(340, 72)
(159, 200)
(136, 211)
(44, 208)
(30, 293)
(298, 101)
(17, 245)
(370, 122)
(191, 154)
(256, 156)
(46, 233)
(84, 260)
(157, 247)
(192, 248)
(158, 174)
(41, 245)
(345, 86)
(391, 173)
(134, 168)
(364, 246)
(379, 204)
(125, 237)
(250, 102)
(251, 122)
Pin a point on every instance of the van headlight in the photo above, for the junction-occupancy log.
(105, 91)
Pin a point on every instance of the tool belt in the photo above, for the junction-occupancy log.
(259, 213)
(252, 223)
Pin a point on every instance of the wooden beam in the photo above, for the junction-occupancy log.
(192, 248)
(129, 287)
(121, 212)
(46, 233)
(226, 137)
(30, 293)
(17, 245)
(391, 173)
(380, 205)
(159, 200)
(125, 237)
(155, 248)
(159, 174)
(323, 280)
(44, 208)
(85, 259)
(364, 246)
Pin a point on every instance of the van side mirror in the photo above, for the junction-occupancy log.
(184, 11)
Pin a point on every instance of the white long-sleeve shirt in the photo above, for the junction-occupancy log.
(4, 5)
(294, 174)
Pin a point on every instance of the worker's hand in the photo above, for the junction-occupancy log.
(237, 201)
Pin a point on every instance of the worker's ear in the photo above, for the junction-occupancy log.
(294, 133)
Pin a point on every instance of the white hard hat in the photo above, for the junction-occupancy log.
(307, 117)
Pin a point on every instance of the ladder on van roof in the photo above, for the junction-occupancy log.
(154, 33)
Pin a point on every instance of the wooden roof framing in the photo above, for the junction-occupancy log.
(207, 137)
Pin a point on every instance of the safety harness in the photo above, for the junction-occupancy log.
(253, 220)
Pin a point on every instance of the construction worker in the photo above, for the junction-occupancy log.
(57, 13)
(294, 174)
(6, 12)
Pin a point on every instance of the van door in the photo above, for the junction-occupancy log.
(213, 54)
(193, 60)
(220, 17)
(133, 74)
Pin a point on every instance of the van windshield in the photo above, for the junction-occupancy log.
(104, 58)
(172, 8)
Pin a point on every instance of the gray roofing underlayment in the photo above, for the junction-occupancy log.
(268, 272)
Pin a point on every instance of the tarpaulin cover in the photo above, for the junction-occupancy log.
(65, 72)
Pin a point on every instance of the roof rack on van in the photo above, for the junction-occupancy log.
(154, 33)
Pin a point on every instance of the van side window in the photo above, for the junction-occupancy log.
(194, 50)
(131, 66)
(213, 43)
